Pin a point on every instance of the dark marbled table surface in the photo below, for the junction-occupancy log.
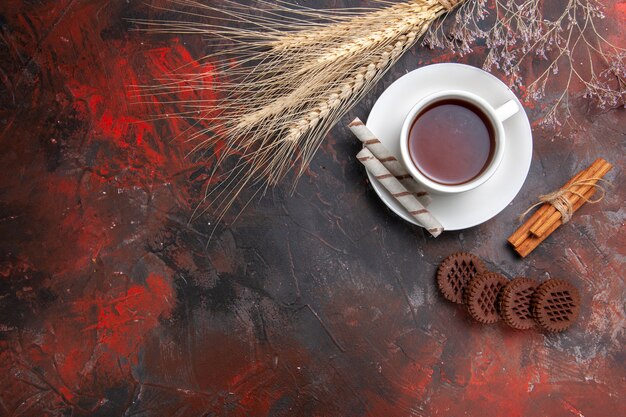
(320, 303)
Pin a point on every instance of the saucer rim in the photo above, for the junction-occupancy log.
(527, 137)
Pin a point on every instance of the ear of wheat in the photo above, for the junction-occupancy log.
(297, 72)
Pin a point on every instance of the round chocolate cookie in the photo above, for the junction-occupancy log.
(515, 303)
(555, 305)
(481, 296)
(455, 272)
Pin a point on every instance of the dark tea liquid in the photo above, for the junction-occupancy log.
(451, 142)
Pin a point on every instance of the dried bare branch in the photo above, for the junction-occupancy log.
(564, 35)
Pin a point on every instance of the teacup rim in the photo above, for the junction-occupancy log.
(496, 159)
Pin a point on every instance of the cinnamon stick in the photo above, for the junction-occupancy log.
(547, 219)
(520, 235)
(551, 214)
(540, 229)
(532, 241)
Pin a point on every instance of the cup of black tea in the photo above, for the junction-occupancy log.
(453, 141)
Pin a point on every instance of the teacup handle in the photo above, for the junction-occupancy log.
(507, 110)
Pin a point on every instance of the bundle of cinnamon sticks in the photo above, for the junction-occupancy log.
(548, 217)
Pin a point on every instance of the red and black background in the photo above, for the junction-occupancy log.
(320, 303)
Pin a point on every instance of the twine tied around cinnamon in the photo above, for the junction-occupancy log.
(558, 199)
(557, 208)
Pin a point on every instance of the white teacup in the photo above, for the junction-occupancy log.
(495, 116)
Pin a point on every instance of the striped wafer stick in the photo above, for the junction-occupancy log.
(401, 194)
(390, 162)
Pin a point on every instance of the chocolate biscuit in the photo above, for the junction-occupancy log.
(455, 272)
(481, 296)
(515, 303)
(555, 305)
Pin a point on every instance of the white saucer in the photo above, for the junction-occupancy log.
(464, 210)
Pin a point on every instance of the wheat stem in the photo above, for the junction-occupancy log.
(299, 71)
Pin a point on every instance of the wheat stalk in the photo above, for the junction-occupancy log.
(298, 71)
(351, 89)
